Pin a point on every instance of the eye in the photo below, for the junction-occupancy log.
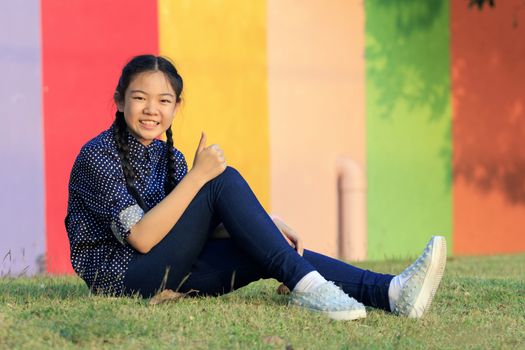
(165, 101)
(138, 98)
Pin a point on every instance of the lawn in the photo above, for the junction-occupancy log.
(480, 305)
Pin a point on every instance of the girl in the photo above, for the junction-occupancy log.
(138, 221)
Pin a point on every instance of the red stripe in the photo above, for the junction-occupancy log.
(489, 128)
(84, 46)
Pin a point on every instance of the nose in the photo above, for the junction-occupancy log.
(150, 108)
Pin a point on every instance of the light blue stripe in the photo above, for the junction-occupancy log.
(22, 243)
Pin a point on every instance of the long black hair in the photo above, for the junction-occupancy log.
(137, 65)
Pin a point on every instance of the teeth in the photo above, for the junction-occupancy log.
(149, 122)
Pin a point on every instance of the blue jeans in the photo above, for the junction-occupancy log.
(187, 258)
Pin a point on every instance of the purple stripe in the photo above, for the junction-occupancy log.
(22, 243)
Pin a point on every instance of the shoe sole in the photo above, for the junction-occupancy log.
(432, 278)
(345, 315)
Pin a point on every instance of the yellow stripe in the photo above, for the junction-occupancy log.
(219, 48)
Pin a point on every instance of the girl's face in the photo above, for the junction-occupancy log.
(149, 106)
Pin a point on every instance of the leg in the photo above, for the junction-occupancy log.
(229, 199)
(222, 267)
(254, 231)
(213, 274)
(214, 270)
(367, 287)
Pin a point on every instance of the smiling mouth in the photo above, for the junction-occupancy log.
(149, 122)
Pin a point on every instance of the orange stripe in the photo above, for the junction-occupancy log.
(220, 49)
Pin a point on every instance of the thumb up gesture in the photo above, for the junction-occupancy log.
(209, 161)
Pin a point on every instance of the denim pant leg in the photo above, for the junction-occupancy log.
(223, 267)
(227, 199)
(367, 287)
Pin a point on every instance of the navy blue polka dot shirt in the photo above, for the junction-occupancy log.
(101, 211)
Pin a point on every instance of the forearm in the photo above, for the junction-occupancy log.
(159, 220)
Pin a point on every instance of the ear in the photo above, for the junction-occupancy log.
(119, 101)
(120, 107)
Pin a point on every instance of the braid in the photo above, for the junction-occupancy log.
(171, 181)
(138, 65)
(121, 140)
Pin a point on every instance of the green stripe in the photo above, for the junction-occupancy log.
(408, 125)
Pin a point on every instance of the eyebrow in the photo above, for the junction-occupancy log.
(145, 93)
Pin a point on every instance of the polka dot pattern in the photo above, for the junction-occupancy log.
(101, 211)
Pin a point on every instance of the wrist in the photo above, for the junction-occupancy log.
(196, 178)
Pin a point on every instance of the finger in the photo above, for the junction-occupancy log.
(214, 146)
(202, 142)
(275, 217)
(299, 247)
(290, 238)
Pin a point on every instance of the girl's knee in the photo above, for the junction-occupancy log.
(230, 172)
(229, 177)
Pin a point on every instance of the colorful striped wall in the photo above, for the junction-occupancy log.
(22, 202)
(408, 123)
(426, 98)
(81, 59)
(488, 80)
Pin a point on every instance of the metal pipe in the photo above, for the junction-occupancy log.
(351, 179)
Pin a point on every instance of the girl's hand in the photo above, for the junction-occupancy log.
(209, 161)
(290, 234)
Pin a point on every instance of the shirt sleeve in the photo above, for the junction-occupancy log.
(182, 166)
(98, 181)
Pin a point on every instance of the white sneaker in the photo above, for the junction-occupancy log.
(422, 280)
(330, 300)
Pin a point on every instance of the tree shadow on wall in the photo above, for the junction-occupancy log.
(489, 132)
(407, 56)
(489, 102)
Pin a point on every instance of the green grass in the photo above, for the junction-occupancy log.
(480, 304)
